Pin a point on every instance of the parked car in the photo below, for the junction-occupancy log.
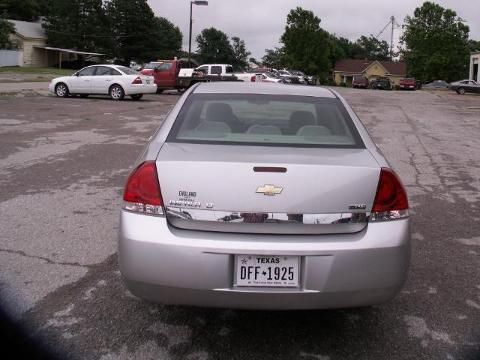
(268, 77)
(115, 80)
(436, 85)
(288, 77)
(382, 83)
(135, 66)
(464, 86)
(360, 82)
(302, 78)
(311, 80)
(408, 84)
(260, 70)
(215, 213)
(245, 76)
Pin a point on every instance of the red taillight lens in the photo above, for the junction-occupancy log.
(390, 193)
(142, 192)
(137, 81)
(253, 78)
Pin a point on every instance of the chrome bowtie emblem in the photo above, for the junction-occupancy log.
(269, 190)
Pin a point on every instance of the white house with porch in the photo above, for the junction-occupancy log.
(31, 40)
(474, 64)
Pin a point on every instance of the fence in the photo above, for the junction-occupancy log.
(11, 58)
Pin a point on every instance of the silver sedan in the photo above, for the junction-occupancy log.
(262, 196)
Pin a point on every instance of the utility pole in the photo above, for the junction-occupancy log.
(394, 24)
(193, 2)
(392, 19)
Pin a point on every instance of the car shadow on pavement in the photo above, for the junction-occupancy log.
(106, 98)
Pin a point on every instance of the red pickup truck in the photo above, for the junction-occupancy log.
(165, 73)
(168, 74)
(408, 84)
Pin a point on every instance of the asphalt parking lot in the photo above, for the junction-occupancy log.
(63, 163)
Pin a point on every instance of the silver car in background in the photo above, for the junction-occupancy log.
(262, 196)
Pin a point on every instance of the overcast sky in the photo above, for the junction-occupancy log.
(261, 22)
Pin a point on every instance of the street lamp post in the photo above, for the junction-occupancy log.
(194, 2)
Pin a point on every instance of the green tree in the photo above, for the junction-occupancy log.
(134, 34)
(214, 47)
(306, 45)
(240, 54)
(167, 39)
(77, 24)
(254, 61)
(473, 45)
(26, 10)
(372, 49)
(436, 43)
(274, 59)
(6, 28)
(364, 48)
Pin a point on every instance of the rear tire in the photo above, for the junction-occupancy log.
(61, 90)
(136, 96)
(461, 91)
(116, 92)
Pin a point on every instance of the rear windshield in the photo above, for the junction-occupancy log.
(151, 65)
(127, 71)
(265, 120)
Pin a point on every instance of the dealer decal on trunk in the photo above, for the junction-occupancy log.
(187, 199)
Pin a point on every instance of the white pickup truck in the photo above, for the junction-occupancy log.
(216, 69)
(225, 71)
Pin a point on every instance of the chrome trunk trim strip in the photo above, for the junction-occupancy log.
(266, 223)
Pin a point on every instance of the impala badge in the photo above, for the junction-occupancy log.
(357, 207)
(269, 190)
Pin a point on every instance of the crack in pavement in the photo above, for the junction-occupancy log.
(47, 260)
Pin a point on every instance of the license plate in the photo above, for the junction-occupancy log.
(148, 82)
(266, 270)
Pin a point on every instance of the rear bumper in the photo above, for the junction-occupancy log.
(133, 89)
(168, 265)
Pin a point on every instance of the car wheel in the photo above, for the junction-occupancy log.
(136, 96)
(461, 91)
(61, 90)
(116, 92)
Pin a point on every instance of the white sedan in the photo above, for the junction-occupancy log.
(114, 80)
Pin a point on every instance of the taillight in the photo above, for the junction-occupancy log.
(142, 191)
(137, 81)
(253, 78)
(391, 200)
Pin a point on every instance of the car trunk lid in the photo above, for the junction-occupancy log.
(255, 189)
